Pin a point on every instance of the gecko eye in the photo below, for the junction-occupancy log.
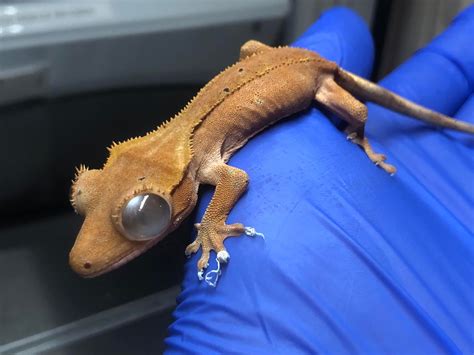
(145, 216)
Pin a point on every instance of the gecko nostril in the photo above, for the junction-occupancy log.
(87, 265)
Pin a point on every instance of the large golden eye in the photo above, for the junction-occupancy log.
(145, 216)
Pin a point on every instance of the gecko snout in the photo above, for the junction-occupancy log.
(82, 267)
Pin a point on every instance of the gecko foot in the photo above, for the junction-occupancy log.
(211, 237)
(376, 158)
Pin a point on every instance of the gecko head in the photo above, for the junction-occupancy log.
(128, 208)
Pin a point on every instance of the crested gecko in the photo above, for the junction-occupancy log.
(149, 184)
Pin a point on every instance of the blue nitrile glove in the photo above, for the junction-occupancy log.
(354, 260)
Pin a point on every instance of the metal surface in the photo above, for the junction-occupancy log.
(96, 324)
(112, 44)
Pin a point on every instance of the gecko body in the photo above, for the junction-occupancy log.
(149, 184)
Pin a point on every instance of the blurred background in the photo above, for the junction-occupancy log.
(76, 75)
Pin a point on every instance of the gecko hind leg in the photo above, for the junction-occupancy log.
(354, 112)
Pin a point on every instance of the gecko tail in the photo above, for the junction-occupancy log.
(368, 91)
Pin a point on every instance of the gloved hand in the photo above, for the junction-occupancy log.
(353, 260)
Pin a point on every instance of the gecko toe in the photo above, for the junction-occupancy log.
(233, 230)
(377, 158)
(204, 260)
(388, 168)
(193, 247)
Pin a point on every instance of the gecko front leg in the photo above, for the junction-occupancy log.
(230, 184)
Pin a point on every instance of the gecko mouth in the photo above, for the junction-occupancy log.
(88, 269)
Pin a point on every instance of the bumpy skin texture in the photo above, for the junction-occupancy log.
(266, 85)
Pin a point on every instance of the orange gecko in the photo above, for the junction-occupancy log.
(149, 184)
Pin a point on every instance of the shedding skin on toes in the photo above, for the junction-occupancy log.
(223, 257)
(251, 232)
(212, 276)
(212, 238)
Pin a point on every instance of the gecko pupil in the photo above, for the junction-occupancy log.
(145, 216)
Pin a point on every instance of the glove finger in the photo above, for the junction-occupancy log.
(439, 76)
(343, 37)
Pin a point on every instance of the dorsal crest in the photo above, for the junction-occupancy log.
(174, 137)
